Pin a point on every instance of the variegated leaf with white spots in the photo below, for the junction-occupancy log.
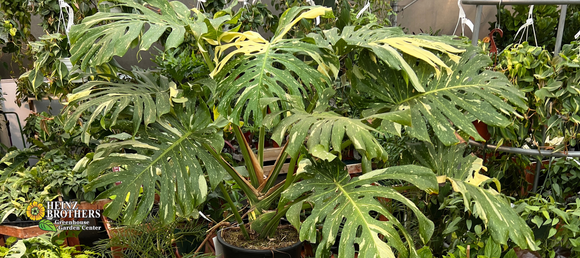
(148, 94)
(169, 158)
(251, 69)
(326, 132)
(387, 44)
(106, 34)
(446, 160)
(469, 89)
(336, 198)
(494, 210)
(449, 163)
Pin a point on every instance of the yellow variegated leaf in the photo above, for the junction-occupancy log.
(337, 199)
(251, 71)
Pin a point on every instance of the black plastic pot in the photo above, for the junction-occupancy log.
(230, 251)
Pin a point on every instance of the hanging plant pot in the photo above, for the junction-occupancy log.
(66, 61)
(69, 66)
(231, 251)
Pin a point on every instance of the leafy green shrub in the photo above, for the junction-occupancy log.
(45, 246)
(154, 238)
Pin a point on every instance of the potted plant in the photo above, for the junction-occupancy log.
(405, 84)
(49, 244)
(51, 178)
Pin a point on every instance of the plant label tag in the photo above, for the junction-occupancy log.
(218, 247)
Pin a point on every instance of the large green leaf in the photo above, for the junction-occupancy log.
(170, 158)
(101, 36)
(325, 130)
(254, 73)
(387, 43)
(501, 219)
(484, 202)
(336, 198)
(148, 95)
(446, 160)
(449, 102)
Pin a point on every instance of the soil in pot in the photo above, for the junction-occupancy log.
(285, 236)
(285, 243)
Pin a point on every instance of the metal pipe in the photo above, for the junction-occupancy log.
(561, 24)
(478, 13)
(527, 152)
(519, 2)
(19, 126)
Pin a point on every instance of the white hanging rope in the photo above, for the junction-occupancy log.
(577, 35)
(312, 3)
(525, 27)
(366, 7)
(199, 5)
(463, 20)
(70, 12)
(244, 3)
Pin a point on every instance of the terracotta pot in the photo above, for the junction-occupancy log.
(529, 176)
(481, 128)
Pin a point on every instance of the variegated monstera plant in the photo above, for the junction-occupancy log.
(410, 84)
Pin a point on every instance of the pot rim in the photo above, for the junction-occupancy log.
(223, 242)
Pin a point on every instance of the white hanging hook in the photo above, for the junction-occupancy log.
(69, 10)
(199, 5)
(244, 3)
(366, 7)
(312, 3)
(524, 27)
(463, 20)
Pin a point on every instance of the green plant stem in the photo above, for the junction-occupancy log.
(272, 225)
(366, 164)
(312, 104)
(234, 210)
(205, 55)
(233, 173)
(289, 179)
(276, 171)
(290, 173)
(242, 142)
(261, 141)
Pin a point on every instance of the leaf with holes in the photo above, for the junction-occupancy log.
(148, 95)
(446, 160)
(270, 70)
(486, 203)
(387, 44)
(170, 157)
(336, 198)
(105, 34)
(325, 130)
(449, 102)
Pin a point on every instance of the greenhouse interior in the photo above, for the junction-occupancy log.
(290, 128)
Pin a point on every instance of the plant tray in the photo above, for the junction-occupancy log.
(21, 232)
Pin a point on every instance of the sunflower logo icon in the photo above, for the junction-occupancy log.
(35, 211)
